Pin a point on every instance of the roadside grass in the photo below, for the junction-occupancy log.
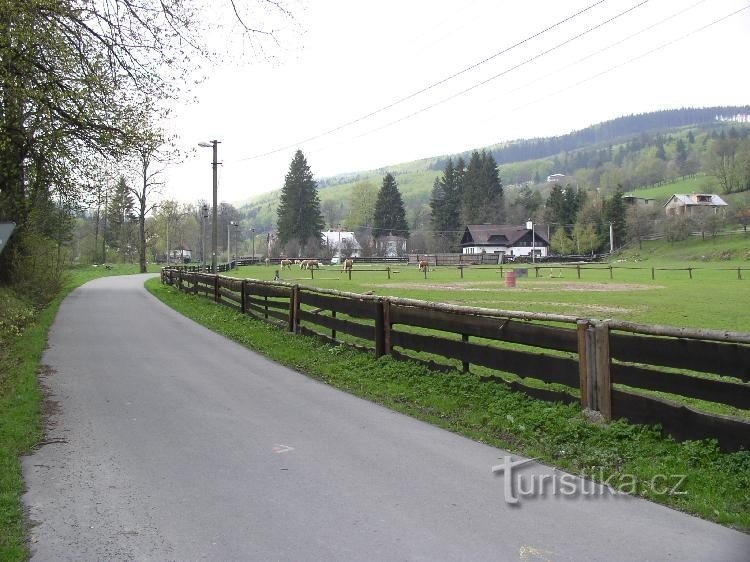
(23, 337)
(717, 486)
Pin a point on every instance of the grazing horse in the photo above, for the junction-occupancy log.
(311, 264)
(267, 261)
(348, 264)
(423, 265)
(286, 263)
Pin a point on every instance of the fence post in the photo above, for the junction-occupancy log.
(610, 271)
(583, 372)
(739, 273)
(179, 280)
(216, 288)
(653, 276)
(465, 364)
(333, 330)
(387, 327)
(243, 306)
(603, 375)
(293, 309)
(690, 272)
(379, 329)
(461, 268)
(350, 273)
(388, 269)
(578, 270)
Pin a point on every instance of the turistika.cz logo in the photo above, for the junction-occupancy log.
(594, 483)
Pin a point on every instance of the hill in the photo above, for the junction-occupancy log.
(661, 152)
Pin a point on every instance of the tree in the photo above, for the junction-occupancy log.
(299, 218)
(585, 238)
(119, 216)
(362, 205)
(561, 242)
(390, 217)
(445, 205)
(482, 193)
(614, 214)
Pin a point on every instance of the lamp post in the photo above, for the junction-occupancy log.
(530, 225)
(252, 233)
(214, 231)
(204, 219)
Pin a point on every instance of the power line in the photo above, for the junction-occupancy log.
(636, 58)
(494, 77)
(603, 49)
(426, 88)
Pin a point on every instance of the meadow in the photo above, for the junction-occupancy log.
(713, 298)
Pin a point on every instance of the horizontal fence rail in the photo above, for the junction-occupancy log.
(645, 373)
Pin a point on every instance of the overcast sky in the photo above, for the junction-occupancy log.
(349, 58)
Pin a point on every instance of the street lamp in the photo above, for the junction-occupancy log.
(530, 225)
(252, 233)
(204, 219)
(231, 224)
(214, 232)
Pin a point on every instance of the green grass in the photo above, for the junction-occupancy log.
(716, 487)
(714, 298)
(23, 336)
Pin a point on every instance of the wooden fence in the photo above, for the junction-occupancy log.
(608, 366)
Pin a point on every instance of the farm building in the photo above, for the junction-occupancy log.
(343, 243)
(640, 202)
(694, 203)
(391, 246)
(508, 240)
(181, 253)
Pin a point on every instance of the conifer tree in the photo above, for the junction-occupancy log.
(299, 217)
(390, 216)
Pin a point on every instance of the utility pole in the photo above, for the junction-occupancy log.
(214, 226)
(252, 232)
(611, 239)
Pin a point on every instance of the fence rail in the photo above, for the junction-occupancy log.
(608, 366)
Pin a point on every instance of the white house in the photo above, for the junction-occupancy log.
(181, 253)
(343, 244)
(554, 178)
(690, 204)
(508, 240)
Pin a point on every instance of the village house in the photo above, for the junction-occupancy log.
(508, 240)
(640, 202)
(181, 253)
(343, 243)
(691, 204)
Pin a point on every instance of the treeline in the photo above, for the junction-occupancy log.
(609, 132)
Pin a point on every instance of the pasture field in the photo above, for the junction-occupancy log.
(713, 298)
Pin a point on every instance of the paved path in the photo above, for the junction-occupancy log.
(170, 442)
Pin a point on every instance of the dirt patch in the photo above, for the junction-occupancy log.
(524, 286)
(50, 407)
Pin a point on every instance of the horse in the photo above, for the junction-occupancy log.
(423, 264)
(267, 261)
(348, 264)
(286, 263)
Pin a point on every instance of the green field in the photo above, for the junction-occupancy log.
(713, 298)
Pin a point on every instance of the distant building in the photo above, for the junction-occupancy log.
(391, 246)
(343, 243)
(555, 178)
(633, 201)
(181, 253)
(508, 240)
(690, 204)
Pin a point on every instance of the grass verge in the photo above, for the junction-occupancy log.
(717, 486)
(23, 337)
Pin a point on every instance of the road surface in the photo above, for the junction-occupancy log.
(169, 442)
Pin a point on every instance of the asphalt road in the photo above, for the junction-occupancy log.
(168, 442)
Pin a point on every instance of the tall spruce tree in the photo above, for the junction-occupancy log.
(390, 216)
(482, 190)
(446, 204)
(299, 217)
